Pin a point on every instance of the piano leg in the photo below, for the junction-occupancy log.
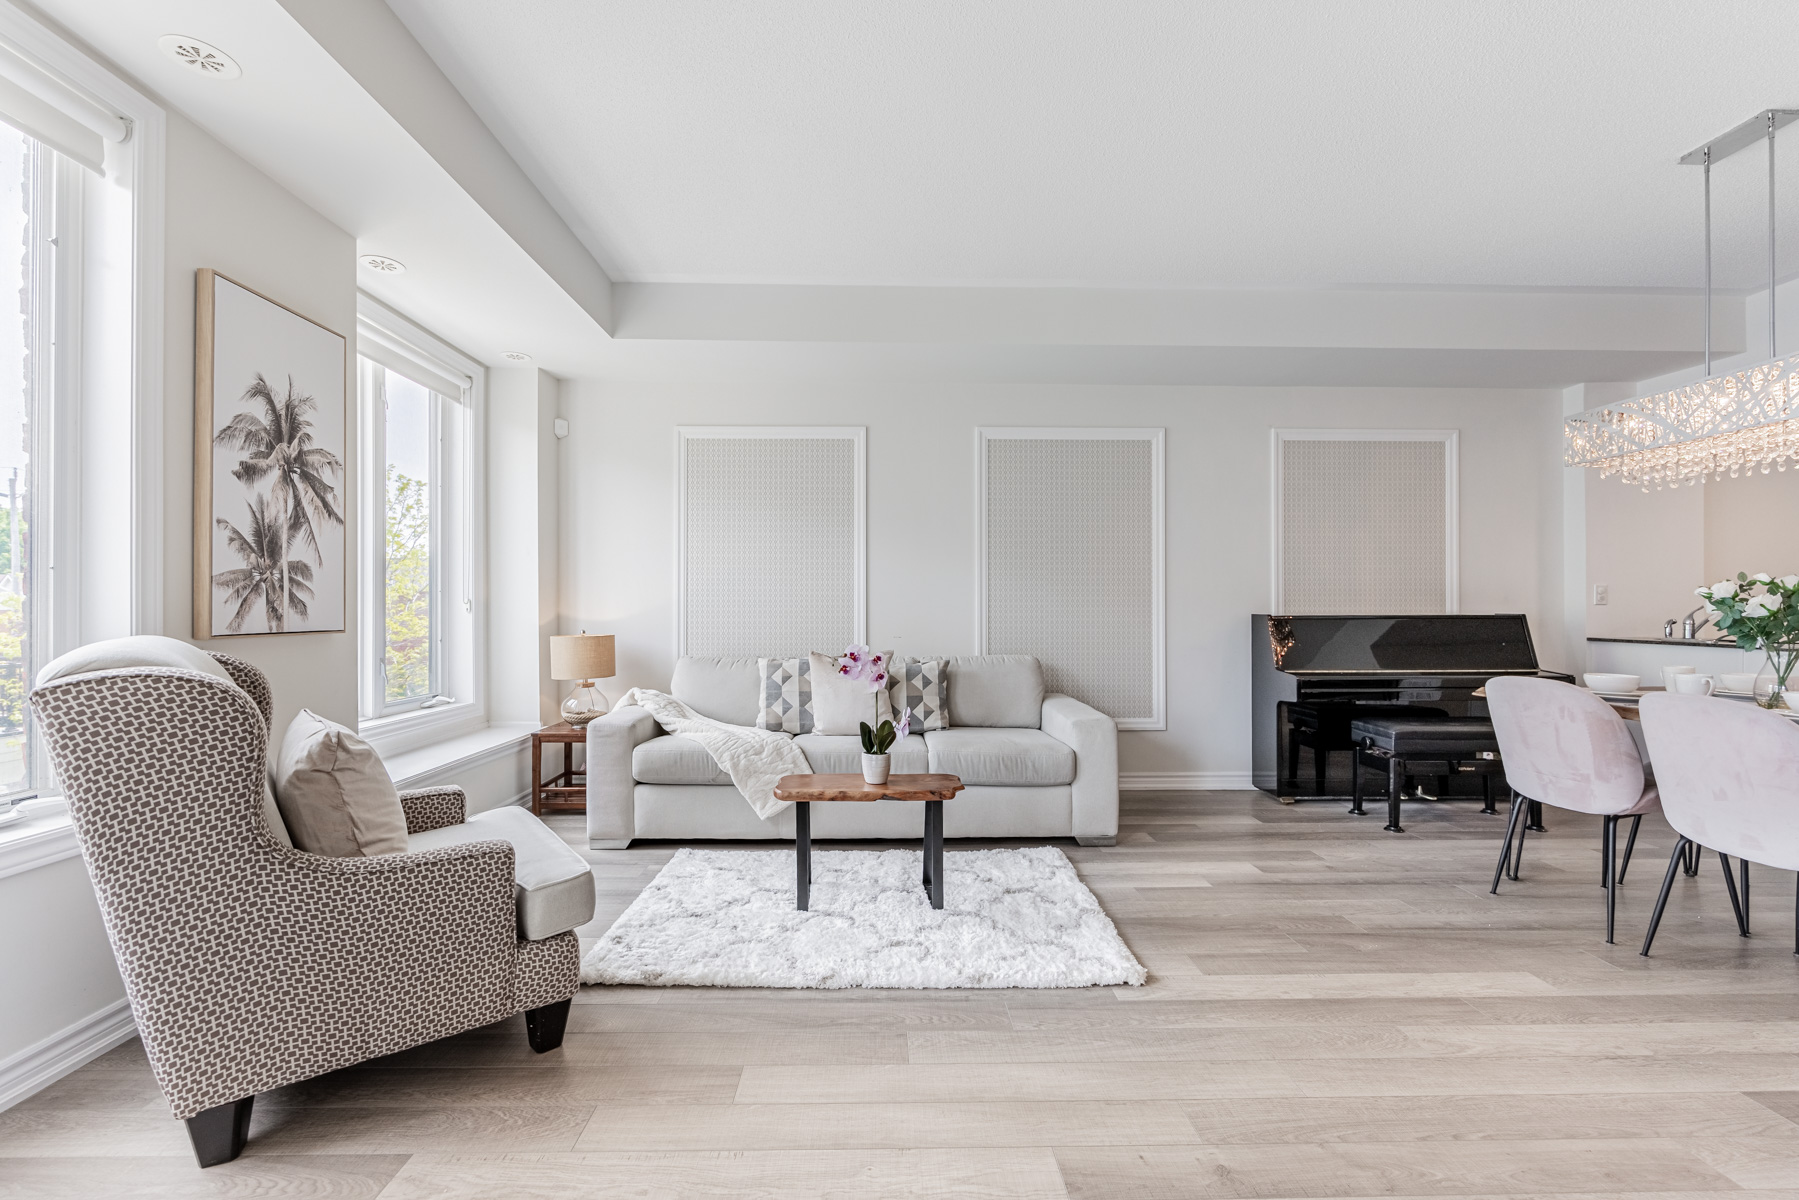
(1321, 765)
(1486, 787)
(1395, 787)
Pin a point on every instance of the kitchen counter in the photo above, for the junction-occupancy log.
(1655, 641)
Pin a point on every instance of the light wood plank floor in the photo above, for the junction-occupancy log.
(1332, 1011)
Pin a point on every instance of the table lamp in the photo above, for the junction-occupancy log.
(583, 657)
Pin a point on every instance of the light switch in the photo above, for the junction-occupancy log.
(1601, 593)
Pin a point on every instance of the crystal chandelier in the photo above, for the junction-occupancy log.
(1744, 421)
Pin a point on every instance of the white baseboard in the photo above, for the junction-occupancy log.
(38, 1066)
(1185, 781)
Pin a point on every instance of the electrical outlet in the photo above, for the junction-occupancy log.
(1602, 593)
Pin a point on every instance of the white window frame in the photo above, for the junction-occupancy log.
(97, 457)
(1451, 439)
(459, 554)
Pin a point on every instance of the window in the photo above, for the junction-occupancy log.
(33, 187)
(419, 400)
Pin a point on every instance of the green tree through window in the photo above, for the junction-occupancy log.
(408, 655)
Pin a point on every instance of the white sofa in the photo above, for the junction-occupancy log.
(1036, 765)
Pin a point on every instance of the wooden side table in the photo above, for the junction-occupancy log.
(559, 793)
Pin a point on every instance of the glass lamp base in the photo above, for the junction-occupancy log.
(584, 704)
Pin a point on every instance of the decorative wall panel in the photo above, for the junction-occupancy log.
(1072, 564)
(1364, 521)
(771, 560)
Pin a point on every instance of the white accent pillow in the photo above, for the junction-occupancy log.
(143, 650)
(839, 705)
(334, 793)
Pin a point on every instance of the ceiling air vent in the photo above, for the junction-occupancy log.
(199, 57)
(382, 263)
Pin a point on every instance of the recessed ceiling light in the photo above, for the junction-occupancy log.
(382, 263)
(199, 57)
(515, 356)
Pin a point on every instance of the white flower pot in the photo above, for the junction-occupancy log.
(875, 767)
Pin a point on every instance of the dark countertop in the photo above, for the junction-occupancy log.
(1655, 641)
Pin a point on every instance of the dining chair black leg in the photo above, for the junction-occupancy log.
(1518, 849)
(1743, 887)
(1505, 850)
(1676, 861)
(1609, 841)
(1630, 843)
(1730, 885)
(1796, 917)
(1605, 855)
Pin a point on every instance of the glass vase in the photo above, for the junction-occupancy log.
(1771, 686)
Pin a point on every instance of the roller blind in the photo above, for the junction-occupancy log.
(403, 358)
(42, 106)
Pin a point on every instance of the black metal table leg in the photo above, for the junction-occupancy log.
(933, 851)
(802, 854)
(1395, 786)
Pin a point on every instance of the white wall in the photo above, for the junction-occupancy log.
(522, 543)
(225, 214)
(1648, 549)
(618, 572)
(1752, 524)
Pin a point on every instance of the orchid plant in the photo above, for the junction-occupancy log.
(1761, 613)
(870, 667)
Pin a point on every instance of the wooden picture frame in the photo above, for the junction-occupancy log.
(271, 452)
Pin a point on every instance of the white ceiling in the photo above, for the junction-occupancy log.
(1239, 143)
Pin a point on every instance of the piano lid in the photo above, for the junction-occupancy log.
(1435, 645)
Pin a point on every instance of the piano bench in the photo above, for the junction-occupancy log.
(1406, 747)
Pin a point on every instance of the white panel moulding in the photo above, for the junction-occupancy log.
(1364, 521)
(1071, 562)
(771, 554)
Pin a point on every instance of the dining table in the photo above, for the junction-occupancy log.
(1625, 704)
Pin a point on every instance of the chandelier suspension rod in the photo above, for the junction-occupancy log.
(1707, 164)
(1771, 353)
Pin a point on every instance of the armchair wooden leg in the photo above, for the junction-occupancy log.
(219, 1133)
(544, 1026)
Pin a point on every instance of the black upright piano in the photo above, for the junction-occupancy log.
(1313, 675)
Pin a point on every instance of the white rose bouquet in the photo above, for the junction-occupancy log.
(1761, 613)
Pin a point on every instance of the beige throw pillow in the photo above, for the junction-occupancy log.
(839, 705)
(334, 794)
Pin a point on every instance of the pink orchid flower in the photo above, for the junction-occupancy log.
(903, 726)
(854, 662)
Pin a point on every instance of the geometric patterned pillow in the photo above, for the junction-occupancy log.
(784, 694)
(921, 685)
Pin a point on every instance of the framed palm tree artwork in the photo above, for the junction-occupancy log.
(269, 477)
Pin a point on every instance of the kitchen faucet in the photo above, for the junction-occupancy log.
(1688, 630)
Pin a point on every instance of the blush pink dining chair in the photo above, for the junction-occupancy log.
(1729, 774)
(1567, 747)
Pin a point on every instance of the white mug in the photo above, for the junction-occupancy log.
(1668, 674)
(1694, 685)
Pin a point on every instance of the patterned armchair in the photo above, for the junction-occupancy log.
(250, 965)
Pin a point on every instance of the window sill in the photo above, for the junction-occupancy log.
(45, 835)
(393, 737)
(416, 767)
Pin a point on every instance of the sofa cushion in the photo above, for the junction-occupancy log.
(921, 687)
(784, 694)
(675, 759)
(334, 794)
(1001, 757)
(721, 688)
(996, 691)
(843, 755)
(553, 885)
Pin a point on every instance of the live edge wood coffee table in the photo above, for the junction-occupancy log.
(807, 790)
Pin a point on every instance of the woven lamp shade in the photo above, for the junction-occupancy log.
(583, 656)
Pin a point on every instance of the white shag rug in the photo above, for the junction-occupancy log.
(725, 918)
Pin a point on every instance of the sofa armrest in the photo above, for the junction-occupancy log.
(1093, 736)
(434, 808)
(611, 815)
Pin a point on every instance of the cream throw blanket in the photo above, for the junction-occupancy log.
(754, 758)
